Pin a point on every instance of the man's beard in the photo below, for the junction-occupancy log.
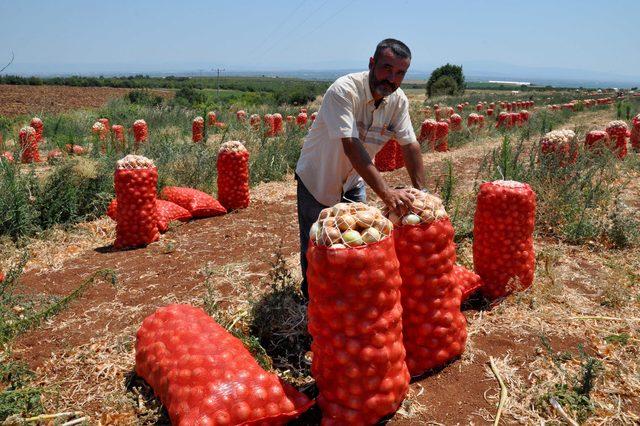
(382, 87)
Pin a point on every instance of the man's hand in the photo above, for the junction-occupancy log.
(398, 200)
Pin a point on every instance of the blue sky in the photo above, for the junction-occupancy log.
(594, 37)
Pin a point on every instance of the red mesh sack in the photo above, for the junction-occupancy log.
(100, 131)
(197, 129)
(29, 145)
(38, 126)
(479, 107)
(140, 131)
(211, 118)
(301, 119)
(597, 141)
(561, 144)
(105, 123)
(490, 112)
(441, 142)
(468, 281)
(459, 107)
(166, 210)
(233, 175)
(428, 131)
(241, 115)
(456, 122)
(437, 113)
(398, 155)
(198, 203)
(473, 119)
(635, 133)
(118, 133)
(313, 116)
(277, 123)
(269, 125)
(618, 131)
(136, 179)
(355, 318)
(503, 253)
(385, 159)
(254, 121)
(434, 329)
(205, 376)
(481, 121)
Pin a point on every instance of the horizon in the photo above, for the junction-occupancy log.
(541, 43)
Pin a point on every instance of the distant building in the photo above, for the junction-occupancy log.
(515, 83)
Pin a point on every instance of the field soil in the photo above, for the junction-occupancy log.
(84, 356)
(22, 99)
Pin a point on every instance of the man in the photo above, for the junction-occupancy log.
(360, 112)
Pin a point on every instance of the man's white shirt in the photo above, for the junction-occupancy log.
(348, 111)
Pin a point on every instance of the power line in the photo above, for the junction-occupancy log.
(304, 21)
(278, 27)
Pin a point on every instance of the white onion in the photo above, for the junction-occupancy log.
(371, 235)
(411, 219)
(352, 238)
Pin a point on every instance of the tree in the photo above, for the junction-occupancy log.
(444, 85)
(448, 70)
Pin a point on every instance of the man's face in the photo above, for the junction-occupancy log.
(387, 73)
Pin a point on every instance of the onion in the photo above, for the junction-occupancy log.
(364, 219)
(313, 234)
(411, 219)
(352, 238)
(338, 246)
(324, 213)
(330, 235)
(345, 222)
(371, 235)
(394, 218)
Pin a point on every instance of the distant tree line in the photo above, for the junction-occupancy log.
(280, 90)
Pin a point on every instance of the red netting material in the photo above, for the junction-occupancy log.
(212, 118)
(635, 133)
(140, 131)
(468, 281)
(269, 125)
(136, 214)
(597, 141)
(618, 133)
(166, 210)
(355, 318)
(428, 131)
(456, 122)
(118, 133)
(233, 175)
(277, 123)
(503, 253)
(434, 329)
(398, 155)
(205, 376)
(29, 145)
(385, 159)
(197, 129)
(198, 203)
(441, 142)
(38, 126)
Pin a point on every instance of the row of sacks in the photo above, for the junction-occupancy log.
(562, 143)
(384, 305)
(140, 216)
(272, 124)
(385, 292)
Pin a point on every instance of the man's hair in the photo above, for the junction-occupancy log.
(397, 47)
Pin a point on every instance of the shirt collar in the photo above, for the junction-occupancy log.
(367, 90)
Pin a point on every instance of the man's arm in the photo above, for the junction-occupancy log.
(414, 164)
(397, 200)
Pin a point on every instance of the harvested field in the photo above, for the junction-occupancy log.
(19, 99)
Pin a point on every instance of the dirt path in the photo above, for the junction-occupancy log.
(86, 351)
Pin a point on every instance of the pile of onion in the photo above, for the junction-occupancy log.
(350, 225)
(425, 208)
(133, 162)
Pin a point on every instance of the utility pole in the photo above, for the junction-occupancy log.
(218, 84)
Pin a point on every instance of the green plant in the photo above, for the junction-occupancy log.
(450, 76)
(278, 320)
(18, 213)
